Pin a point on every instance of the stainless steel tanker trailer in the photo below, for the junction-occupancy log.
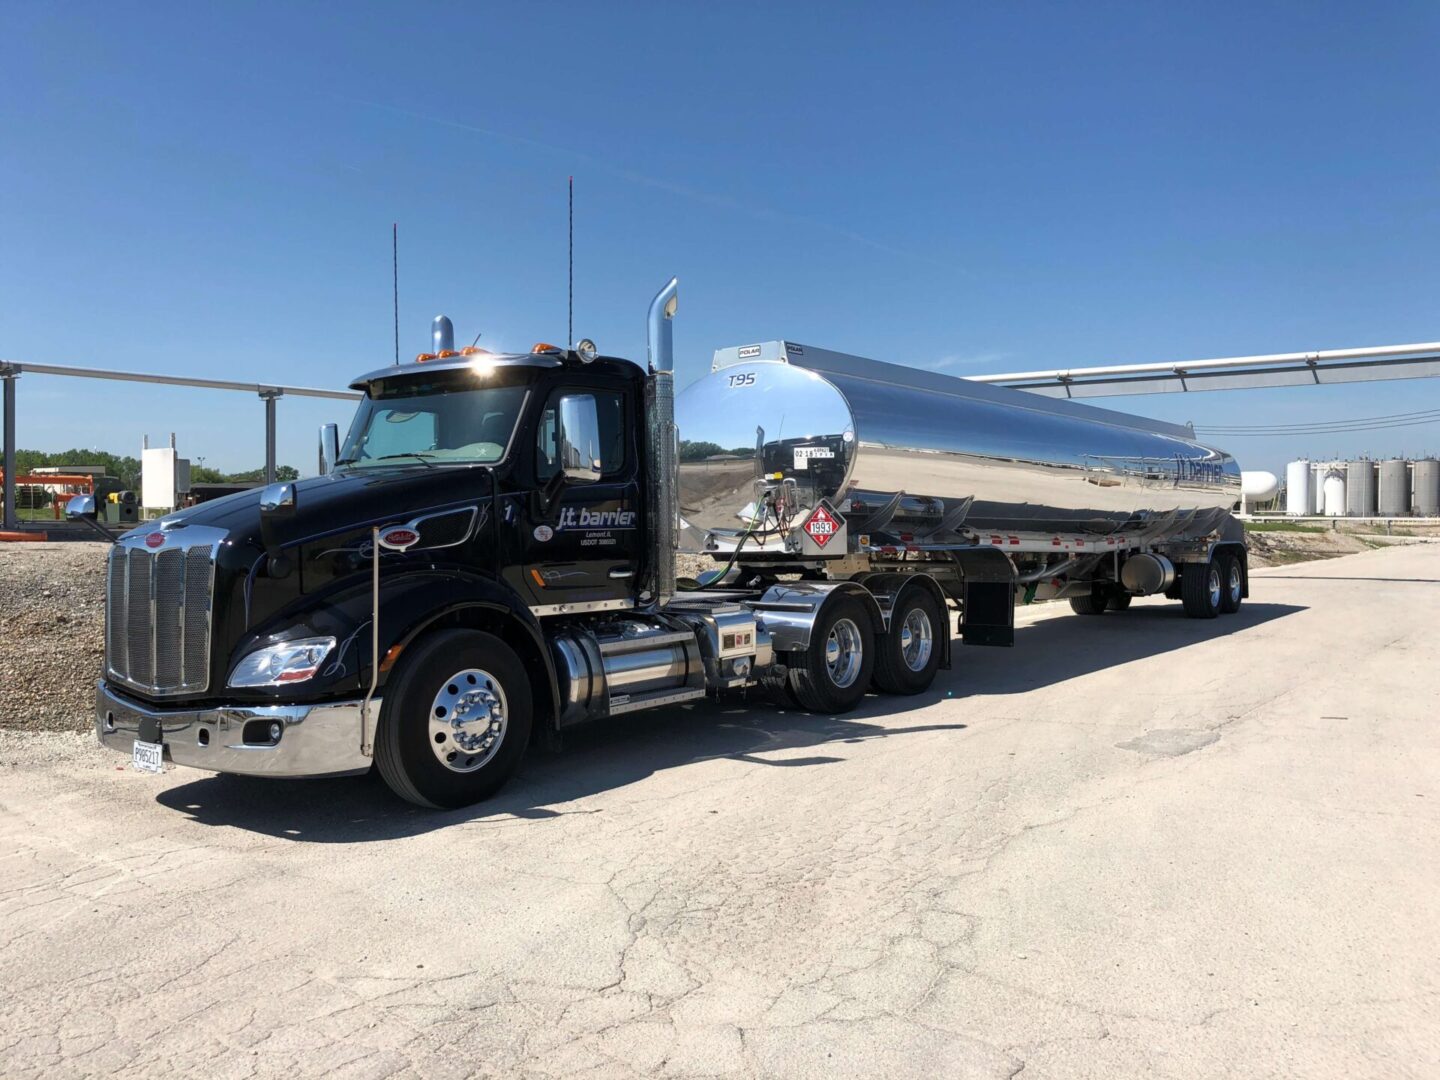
(490, 555)
(1000, 496)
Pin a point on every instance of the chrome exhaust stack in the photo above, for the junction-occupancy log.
(662, 454)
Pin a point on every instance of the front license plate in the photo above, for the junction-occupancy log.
(149, 756)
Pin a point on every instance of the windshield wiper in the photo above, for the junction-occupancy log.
(424, 459)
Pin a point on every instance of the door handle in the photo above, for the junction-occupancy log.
(622, 574)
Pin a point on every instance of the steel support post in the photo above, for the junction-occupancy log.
(9, 376)
(269, 396)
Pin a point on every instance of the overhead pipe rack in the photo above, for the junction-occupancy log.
(269, 393)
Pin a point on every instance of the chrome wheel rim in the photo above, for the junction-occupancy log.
(844, 653)
(467, 720)
(1235, 583)
(916, 639)
(1212, 582)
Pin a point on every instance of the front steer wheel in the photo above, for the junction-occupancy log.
(455, 720)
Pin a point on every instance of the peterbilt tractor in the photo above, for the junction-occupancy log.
(489, 557)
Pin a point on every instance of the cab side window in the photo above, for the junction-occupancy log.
(610, 408)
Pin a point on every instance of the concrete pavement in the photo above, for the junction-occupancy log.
(1131, 846)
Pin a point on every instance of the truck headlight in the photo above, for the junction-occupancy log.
(288, 662)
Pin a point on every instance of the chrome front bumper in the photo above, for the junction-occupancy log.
(315, 740)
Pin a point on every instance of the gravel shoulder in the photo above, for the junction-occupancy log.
(52, 637)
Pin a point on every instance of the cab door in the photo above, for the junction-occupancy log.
(583, 543)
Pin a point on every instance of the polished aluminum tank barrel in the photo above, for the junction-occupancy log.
(904, 449)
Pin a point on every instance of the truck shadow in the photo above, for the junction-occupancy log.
(755, 730)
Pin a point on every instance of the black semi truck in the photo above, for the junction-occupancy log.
(489, 557)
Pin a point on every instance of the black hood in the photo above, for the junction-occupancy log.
(344, 499)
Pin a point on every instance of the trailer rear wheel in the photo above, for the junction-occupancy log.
(908, 655)
(455, 720)
(833, 672)
(1200, 589)
(1232, 583)
(1092, 603)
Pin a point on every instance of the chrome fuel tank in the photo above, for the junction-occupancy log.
(869, 436)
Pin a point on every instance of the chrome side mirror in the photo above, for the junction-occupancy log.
(80, 508)
(278, 498)
(578, 438)
(329, 447)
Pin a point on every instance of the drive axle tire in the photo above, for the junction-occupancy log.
(455, 720)
(1119, 601)
(1232, 583)
(1092, 603)
(1200, 589)
(908, 654)
(832, 674)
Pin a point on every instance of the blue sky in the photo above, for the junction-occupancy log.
(209, 189)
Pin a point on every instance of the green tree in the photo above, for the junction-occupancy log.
(698, 451)
(282, 472)
(125, 469)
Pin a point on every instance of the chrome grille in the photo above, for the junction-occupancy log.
(157, 619)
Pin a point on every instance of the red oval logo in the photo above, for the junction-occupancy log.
(398, 539)
(155, 539)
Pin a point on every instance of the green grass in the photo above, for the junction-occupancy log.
(1283, 526)
(43, 514)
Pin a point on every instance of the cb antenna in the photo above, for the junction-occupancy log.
(570, 312)
(395, 280)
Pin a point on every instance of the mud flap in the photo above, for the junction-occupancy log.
(988, 616)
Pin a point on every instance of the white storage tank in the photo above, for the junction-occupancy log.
(1298, 500)
(1394, 488)
(1334, 493)
(1360, 500)
(1257, 486)
(1317, 488)
(1427, 488)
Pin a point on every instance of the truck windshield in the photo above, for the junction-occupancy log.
(445, 420)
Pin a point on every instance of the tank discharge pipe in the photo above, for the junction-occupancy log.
(662, 439)
(1046, 571)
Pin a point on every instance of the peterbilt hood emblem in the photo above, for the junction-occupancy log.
(155, 539)
(399, 537)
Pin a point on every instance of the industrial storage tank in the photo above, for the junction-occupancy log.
(1298, 501)
(1334, 489)
(1427, 488)
(892, 444)
(1360, 500)
(1257, 486)
(1394, 488)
